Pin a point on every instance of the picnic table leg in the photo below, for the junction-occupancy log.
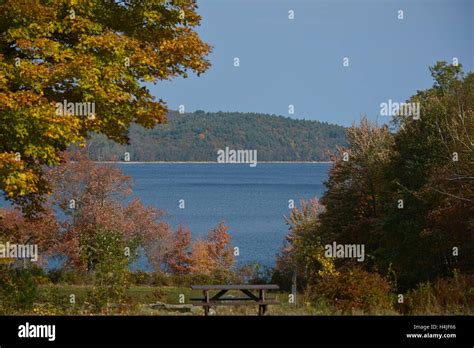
(261, 297)
(206, 307)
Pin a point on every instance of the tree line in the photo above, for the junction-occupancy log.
(198, 136)
(404, 191)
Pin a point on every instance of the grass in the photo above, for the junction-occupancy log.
(141, 297)
(54, 300)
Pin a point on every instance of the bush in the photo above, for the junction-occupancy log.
(52, 302)
(353, 290)
(254, 273)
(18, 290)
(62, 276)
(111, 277)
(194, 279)
(140, 277)
(158, 295)
(39, 275)
(446, 296)
(111, 282)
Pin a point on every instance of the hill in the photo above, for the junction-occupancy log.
(197, 137)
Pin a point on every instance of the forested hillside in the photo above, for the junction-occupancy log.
(197, 137)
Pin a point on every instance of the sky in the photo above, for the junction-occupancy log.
(299, 62)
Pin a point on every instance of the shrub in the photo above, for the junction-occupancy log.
(254, 273)
(161, 279)
(445, 296)
(111, 277)
(62, 276)
(140, 277)
(110, 285)
(185, 280)
(352, 290)
(195, 279)
(18, 290)
(158, 295)
(39, 275)
(53, 302)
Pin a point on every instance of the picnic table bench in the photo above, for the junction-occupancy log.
(251, 298)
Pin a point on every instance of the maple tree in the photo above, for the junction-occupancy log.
(95, 197)
(179, 257)
(84, 51)
(214, 255)
(41, 230)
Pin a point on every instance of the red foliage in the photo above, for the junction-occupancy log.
(179, 259)
(99, 195)
(42, 230)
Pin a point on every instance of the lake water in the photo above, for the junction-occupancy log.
(251, 201)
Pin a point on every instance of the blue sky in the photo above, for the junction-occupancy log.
(300, 61)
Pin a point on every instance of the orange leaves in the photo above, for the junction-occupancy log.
(179, 258)
(83, 51)
(201, 261)
(213, 256)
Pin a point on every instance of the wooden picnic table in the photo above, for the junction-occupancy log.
(259, 299)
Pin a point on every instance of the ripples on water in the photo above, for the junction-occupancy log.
(251, 201)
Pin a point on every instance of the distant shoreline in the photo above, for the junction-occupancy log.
(209, 162)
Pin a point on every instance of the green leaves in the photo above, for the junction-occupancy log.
(86, 51)
(427, 165)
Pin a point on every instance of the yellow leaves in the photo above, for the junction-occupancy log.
(15, 179)
(64, 128)
(5, 101)
(83, 60)
(148, 77)
(327, 265)
(3, 81)
(7, 260)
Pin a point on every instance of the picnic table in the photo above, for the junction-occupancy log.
(258, 298)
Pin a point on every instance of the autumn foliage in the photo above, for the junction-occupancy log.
(95, 200)
(84, 51)
(96, 196)
(179, 259)
(42, 230)
(406, 193)
(213, 256)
